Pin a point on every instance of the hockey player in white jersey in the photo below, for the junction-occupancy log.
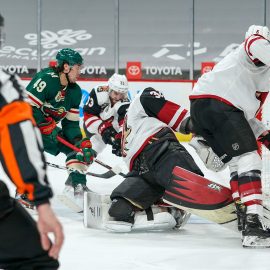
(104, 113)
(151, 151)
(223, 103)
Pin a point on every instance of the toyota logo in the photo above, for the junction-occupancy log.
(134, 70)
(207, 69)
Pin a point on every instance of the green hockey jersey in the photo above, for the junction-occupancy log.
(50, 99)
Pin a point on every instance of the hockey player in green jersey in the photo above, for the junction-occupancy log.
(55, 97)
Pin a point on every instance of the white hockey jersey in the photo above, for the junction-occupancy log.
(98, 108)
(236, 79)
(148, 113)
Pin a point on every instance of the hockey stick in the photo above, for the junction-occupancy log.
(105, 175)
(112, 171)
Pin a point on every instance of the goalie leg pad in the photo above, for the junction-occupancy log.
(118, 226)
(161, 221)
(122, 210)
(158, 219)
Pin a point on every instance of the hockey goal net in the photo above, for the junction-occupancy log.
(266, 154)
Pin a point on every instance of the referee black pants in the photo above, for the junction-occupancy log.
(20, 246)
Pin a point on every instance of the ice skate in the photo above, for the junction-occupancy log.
(79, 190)
(72, 195)
(255, 234)
(240, 210)
(181, 217)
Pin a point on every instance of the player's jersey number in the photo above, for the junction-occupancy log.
(39, 85)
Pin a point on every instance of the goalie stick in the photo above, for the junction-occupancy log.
(204, 198)
(112, 171)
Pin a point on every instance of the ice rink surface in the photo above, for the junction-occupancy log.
(199, 245)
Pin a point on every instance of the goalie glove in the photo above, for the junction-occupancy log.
(265, 140)
(206, 154)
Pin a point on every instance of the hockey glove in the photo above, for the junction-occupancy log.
(186, 126)
(265, 140)
(116, 147)
(50, 129)
(87, 154)
(107, 132)
(206, 154)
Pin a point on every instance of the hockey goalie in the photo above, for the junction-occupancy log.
(160, 168)
(151, 151)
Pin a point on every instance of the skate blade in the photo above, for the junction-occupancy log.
(255, 242)
(69, 203)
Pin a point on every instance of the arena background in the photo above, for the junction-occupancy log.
(163, 44)
(157, 35)
(110, 33)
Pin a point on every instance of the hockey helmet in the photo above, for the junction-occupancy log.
(68, 56)
(258, 30)
(2, 34)
(118, 83)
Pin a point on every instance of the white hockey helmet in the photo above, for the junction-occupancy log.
(118, 83)
(258, 30)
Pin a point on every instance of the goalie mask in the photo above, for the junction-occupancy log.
(2, 34)
(118, 83)
(258, 30)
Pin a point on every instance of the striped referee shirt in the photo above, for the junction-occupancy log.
(10, 89)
